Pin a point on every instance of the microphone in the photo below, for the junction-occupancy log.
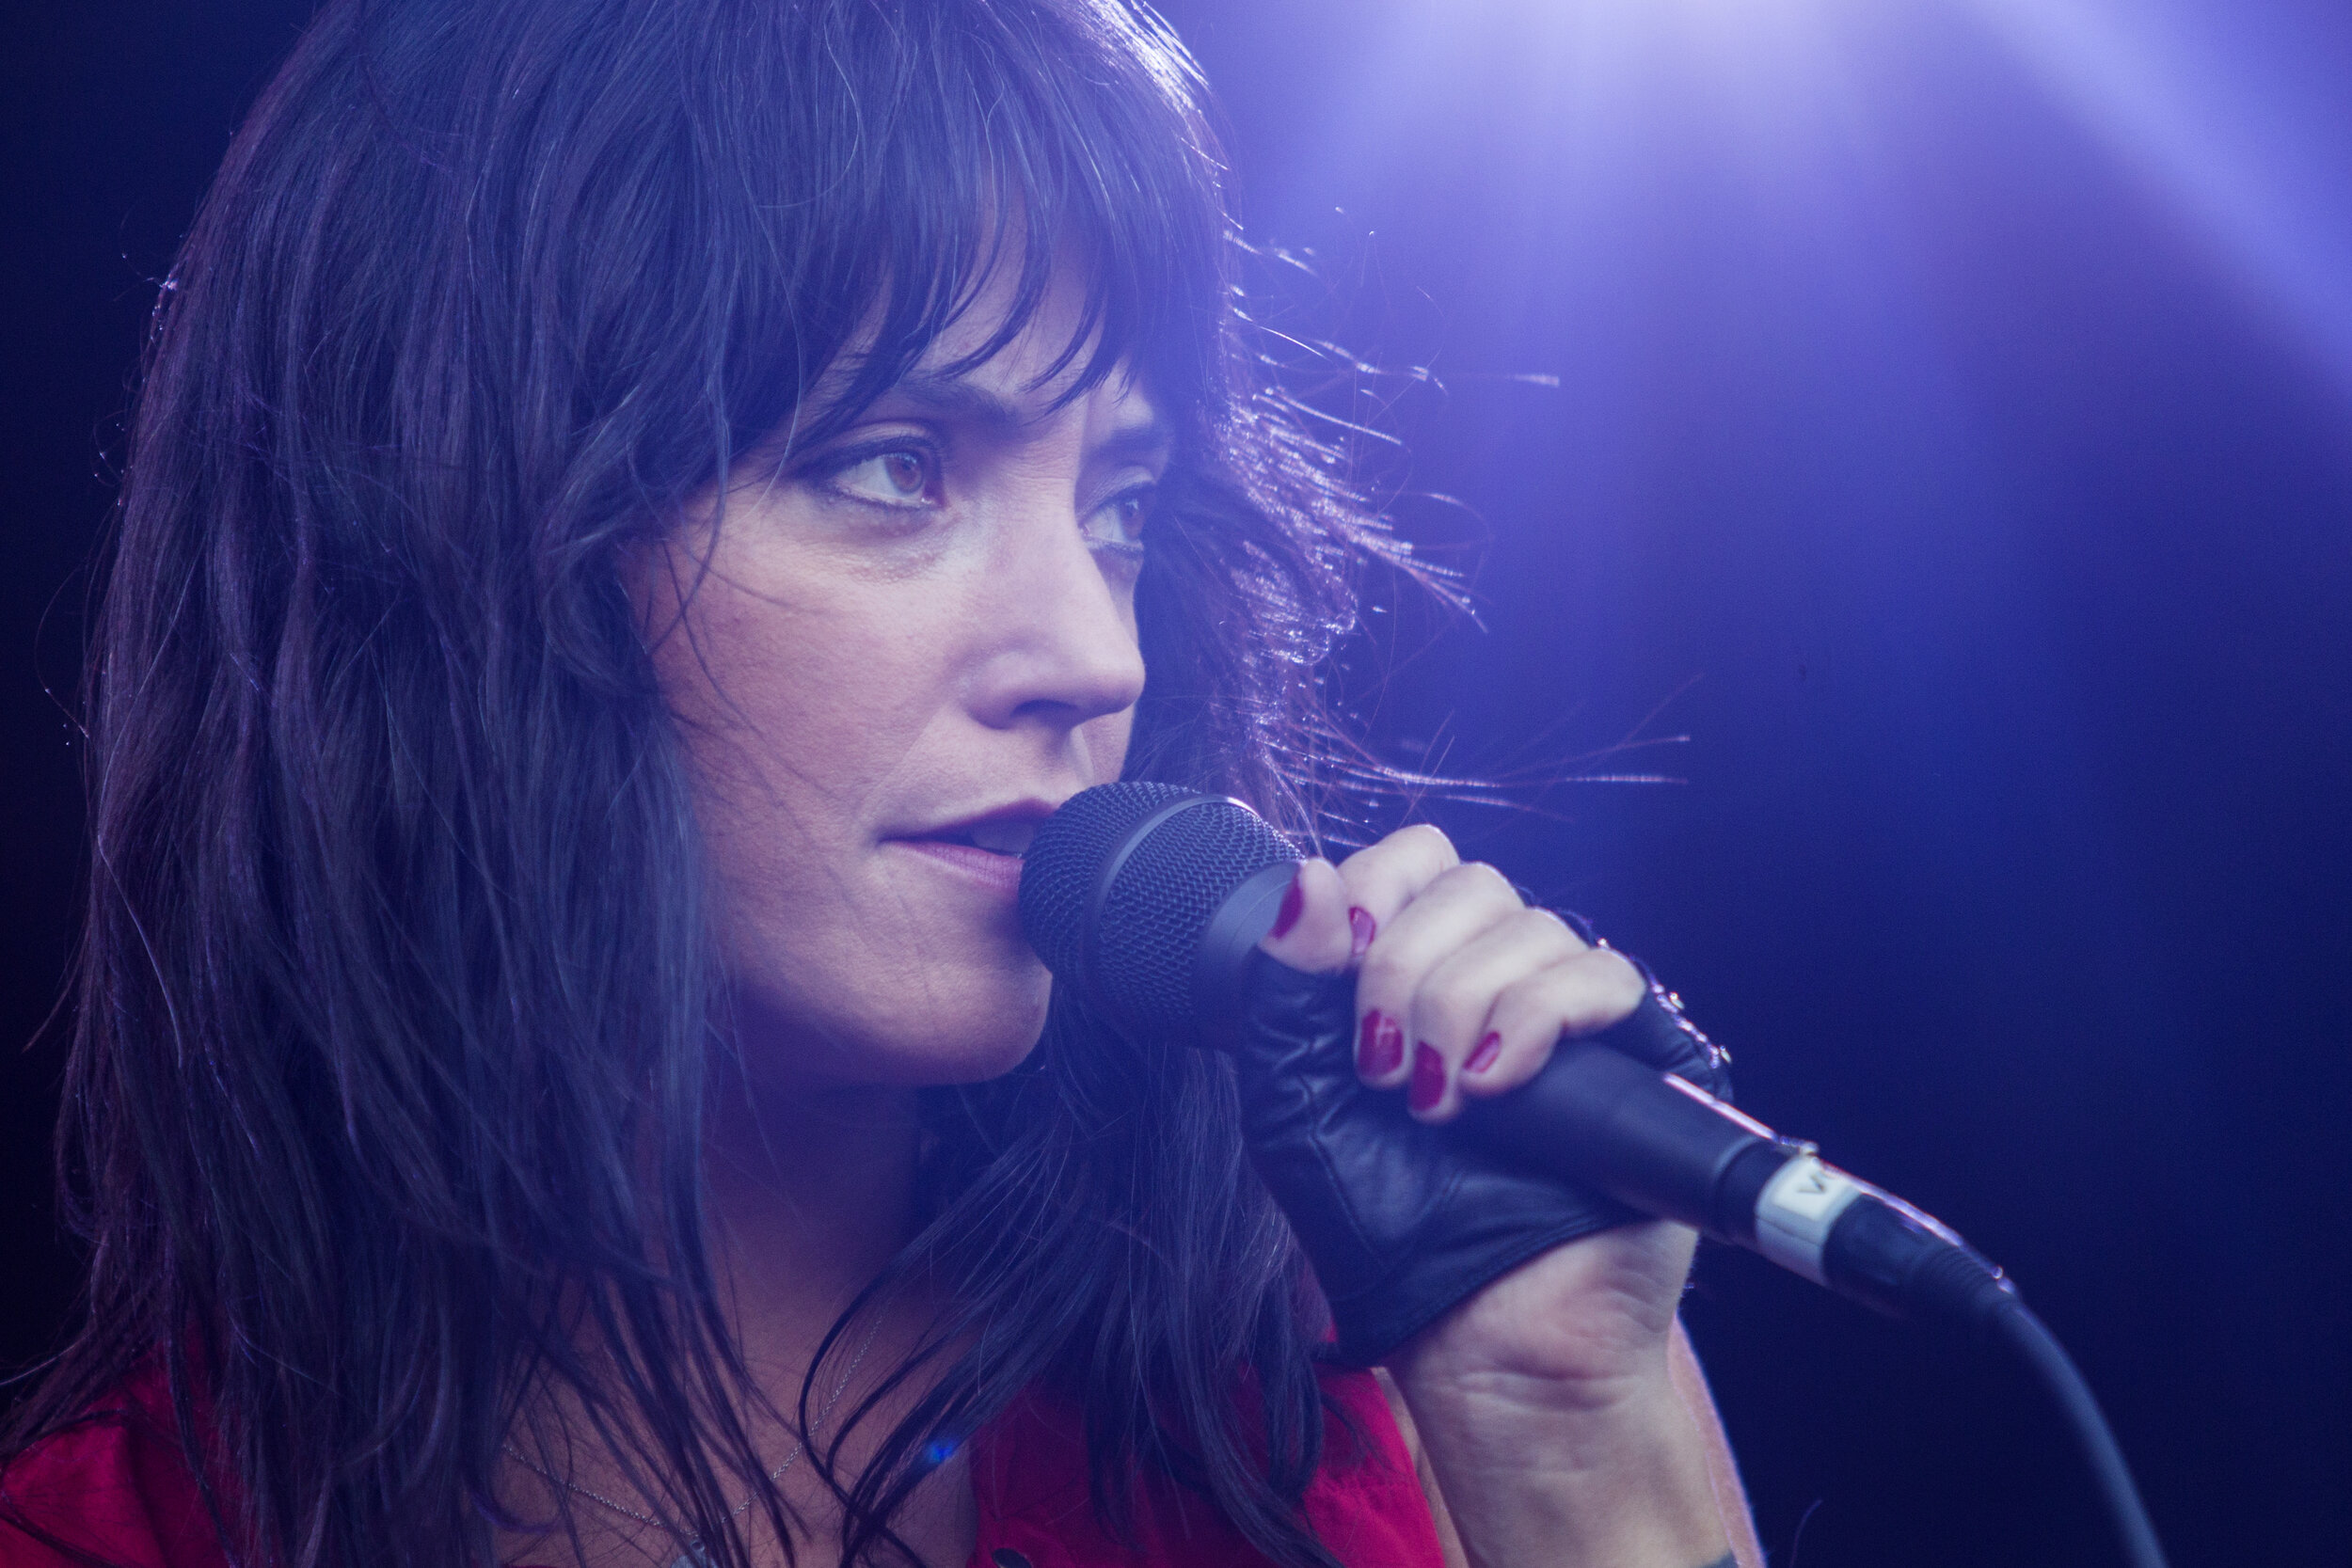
(1151, 899)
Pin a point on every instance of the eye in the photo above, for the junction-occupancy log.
(1116, 526)
(893, 476)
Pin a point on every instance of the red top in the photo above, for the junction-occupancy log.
(118, 1488)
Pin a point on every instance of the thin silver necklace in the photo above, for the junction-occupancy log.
(693, 1557)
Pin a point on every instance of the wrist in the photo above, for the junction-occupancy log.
(1561, 1339)
(1529, 1476)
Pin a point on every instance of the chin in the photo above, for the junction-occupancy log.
(988, 1035)
(956, 1025)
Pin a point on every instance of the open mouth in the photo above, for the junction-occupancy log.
(997, 838)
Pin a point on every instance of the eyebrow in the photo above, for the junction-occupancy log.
(1001, 419)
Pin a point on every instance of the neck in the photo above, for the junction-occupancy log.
(811, 1194)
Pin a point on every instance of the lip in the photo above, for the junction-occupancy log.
(997, 874)
(993, 870)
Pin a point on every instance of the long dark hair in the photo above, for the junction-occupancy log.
(394, 1005)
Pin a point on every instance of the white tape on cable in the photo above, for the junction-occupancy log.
(1796, 1209)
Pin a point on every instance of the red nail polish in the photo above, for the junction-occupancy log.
(1360, 926)
(1287, 916)
(1380, 1048)
(1483, 1057)
(1428, 1078)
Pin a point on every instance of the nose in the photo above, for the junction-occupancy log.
(1058, 634)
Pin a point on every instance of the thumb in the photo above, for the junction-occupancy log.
(1311, 932)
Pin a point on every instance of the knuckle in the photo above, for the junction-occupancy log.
(1543, 927)
(1404, 856)
(1478, 880)
(1519, 1004)
(1612, 970)
(1424, 839)
(1590, 991)
(1558, 996)
(1383, 975)
(1488, 875)
(1450, 1003)
(1371, 885)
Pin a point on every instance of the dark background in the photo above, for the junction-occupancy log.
(1942, 476)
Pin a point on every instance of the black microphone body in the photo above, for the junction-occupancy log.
(1151, 900)
(1663, 1147)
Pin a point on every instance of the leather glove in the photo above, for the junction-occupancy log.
(1402, 1219)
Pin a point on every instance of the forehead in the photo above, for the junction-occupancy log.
(1052, 347)
(1038, 371)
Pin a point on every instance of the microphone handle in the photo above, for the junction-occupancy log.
(1666, 1148)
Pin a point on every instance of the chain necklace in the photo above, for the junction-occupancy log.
(693, 1555)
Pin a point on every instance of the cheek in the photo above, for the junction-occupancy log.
(1103, 743)
(844, 964)
(794, 711)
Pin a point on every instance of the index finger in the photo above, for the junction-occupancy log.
(1383, 878)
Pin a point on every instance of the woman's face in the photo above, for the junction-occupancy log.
(893, 657)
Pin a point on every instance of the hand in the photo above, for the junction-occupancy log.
(1549, 1398)
(1462, 991)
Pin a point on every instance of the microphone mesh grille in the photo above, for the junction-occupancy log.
(1059, 872)
(1155, 912)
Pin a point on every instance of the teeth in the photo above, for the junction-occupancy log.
(1005, 838)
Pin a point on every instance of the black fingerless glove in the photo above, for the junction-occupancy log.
(1401, 1219)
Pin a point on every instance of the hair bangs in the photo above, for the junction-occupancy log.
(998, 145)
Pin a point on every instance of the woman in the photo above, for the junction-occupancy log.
(637, 508)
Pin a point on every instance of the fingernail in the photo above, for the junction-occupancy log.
(1360, 926)
(1380, 1048)
(1483, 1057)
(1428, 1078)
(1287, 916)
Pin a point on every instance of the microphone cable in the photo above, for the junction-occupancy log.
(2032, 1342)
